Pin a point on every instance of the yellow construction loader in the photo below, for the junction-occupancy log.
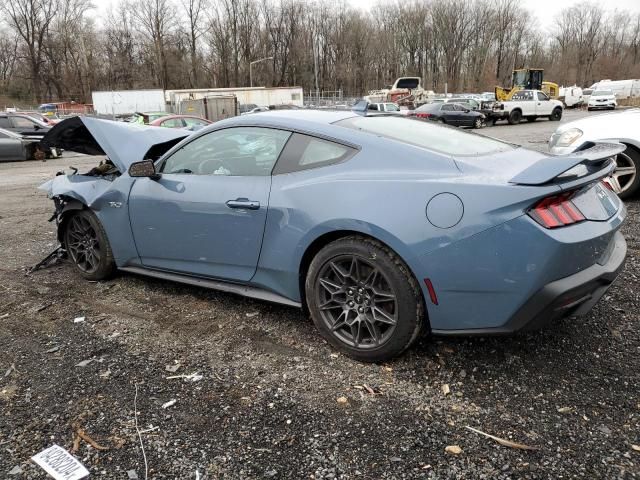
(527, 79)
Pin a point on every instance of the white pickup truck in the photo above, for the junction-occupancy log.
(529, 104)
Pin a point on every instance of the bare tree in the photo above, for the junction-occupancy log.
(31, 20)
(195, 15)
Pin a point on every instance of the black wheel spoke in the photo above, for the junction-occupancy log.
(331, 287)
(341, 321)
(381, 316)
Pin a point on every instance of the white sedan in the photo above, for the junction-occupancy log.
(602, 99)
(621, 127)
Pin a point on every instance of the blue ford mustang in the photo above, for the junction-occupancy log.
(380, 226)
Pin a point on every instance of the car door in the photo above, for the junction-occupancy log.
(205, 215)
(448, 113)
(11, 148)
(543, 105)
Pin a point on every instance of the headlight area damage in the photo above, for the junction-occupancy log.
(122, 144)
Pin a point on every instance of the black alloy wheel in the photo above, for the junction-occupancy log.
(356, 302)
(363, 299)
(87, 245)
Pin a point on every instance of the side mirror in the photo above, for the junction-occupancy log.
(145, 168)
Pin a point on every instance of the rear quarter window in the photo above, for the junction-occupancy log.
(304, 152)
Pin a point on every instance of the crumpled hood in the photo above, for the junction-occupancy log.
(124, 143)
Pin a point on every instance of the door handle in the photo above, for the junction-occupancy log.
(243, 203)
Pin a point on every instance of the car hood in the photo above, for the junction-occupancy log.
(593, 125)
(124, 143)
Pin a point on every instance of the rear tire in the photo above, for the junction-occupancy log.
(556, 115)
(88, 247)
(514, 117)
(363, 299)
(477, 123)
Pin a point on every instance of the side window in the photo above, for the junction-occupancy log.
(542, 97)
(21, 122)
(5, 123)
(239, 151)
(193, 122)
(173, 123)
(447, 107)
(304, 152)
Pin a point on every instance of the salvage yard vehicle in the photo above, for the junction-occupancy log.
(450, 113)
(180, 121)
(388, 107)
(621, 127)
(381, 226)
(29, 128)
(602, 99)
(527, 79)
(15, 147)
(529, 104)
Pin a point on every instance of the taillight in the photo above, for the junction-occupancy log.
(556, 211)
(423, 115)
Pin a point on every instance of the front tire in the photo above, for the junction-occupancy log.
(88, 247)
(477, 123)
(556, 115)
(363, 299)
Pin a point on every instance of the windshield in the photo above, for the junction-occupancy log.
(392, 107)
(426, 135)
(601, 93)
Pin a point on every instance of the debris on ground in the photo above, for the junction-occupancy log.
(445, 389)
(170, 403)
(78, 319)
(502, 441)
(60, 464)
(453, 449)
(342, 400)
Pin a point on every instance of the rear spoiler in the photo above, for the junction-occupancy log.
(598, 159)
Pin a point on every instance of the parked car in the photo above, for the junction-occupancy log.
(145, 118)
(14, 147)
(23, 124)
(47, 120)
(382, 226)
(29, 128)
(180, 121)
(529, 104)
(621, 127)
(451, 114)
(255, 109)
(602, 99)
(387, 107)
(246, 108)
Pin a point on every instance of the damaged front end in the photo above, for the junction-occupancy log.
(104, 189)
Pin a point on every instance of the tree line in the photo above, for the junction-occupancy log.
(62, 50)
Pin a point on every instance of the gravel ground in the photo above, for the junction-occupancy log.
(268, 403)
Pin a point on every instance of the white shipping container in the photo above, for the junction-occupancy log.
(261, 96)
(127, 102)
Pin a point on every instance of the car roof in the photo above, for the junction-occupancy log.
(321, 117)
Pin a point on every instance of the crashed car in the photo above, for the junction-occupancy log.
(381, 226)
(15, 147)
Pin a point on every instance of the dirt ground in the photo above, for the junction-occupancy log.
(267, 402)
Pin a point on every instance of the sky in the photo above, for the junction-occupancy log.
(544, 10)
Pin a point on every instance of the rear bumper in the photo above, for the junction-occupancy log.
(572, 295)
